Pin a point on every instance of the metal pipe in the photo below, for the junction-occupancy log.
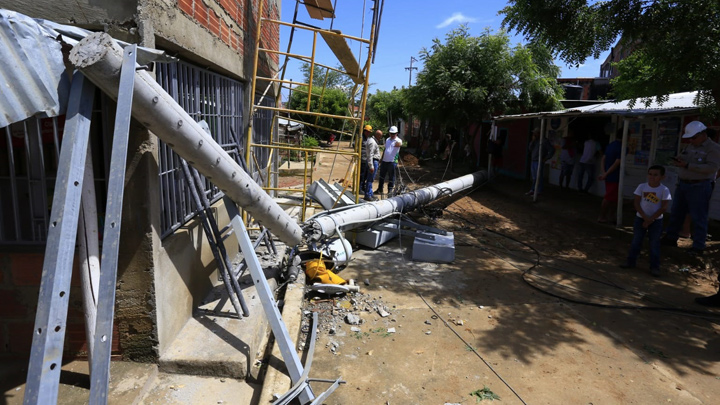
(99, 57)
(324, 226)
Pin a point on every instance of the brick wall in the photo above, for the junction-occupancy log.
(228, 21)
(19, 286)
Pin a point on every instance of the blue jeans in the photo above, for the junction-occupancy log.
(369, 179)
(583, 168)
(387, 170)
(534, 173)
(566, 170)
(654, 231)
(692, 198)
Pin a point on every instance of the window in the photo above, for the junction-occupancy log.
(204, 95)
(29, 156)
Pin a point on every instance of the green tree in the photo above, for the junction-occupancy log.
(335, 79)
(676, 43)
(385, 108)
(469, 78)
(334, 102)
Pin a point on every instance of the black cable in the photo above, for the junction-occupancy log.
(536, 263)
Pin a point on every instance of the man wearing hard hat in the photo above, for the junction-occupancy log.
(698, 165)
(389, 160)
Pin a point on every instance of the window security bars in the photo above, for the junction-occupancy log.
(29, 154)
(204, 95)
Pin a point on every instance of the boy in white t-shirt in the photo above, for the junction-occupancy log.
(651, 201)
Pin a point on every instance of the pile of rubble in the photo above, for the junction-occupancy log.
(340, 315)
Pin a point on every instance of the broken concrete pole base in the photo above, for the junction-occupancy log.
(99, 57)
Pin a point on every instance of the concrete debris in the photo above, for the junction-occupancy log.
(355, 329)
(428, 332)
(391, 330)
(367, 281)
(459, 322)
(352, 319)
(428, 322)
(335, 312)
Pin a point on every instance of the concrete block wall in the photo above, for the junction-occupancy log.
(20, 275)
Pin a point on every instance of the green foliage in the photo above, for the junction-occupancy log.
(384, 108)
(676, 44)
(469, 78)
(328, 78)
(310, 142)
(334, 102)
(483, 394)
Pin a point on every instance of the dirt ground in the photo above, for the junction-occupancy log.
(534, 309)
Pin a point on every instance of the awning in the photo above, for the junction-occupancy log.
(678, 102)
(33, 79)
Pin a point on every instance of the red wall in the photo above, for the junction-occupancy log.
(20, 275)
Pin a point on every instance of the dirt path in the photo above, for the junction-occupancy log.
(573, 329)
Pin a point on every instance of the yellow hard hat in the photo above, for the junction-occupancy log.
(367, 128)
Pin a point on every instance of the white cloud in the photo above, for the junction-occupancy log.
(455, 18)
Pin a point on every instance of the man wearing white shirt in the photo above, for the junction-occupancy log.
(389, 160)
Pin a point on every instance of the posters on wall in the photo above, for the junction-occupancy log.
(667, 140)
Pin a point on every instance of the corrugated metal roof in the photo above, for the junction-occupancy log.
(678, 102)
(32, 79)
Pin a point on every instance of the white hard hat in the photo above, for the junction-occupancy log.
(693, 129)
(392, 130)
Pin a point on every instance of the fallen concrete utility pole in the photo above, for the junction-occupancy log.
(325, 225)
(99, 58)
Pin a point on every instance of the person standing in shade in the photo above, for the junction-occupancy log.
(698, 164)
(372, 163)
(567, 162)
(651, 202)
(611, 175)
(389, 162)
(366, 133)
(587, 164)
(537, 161)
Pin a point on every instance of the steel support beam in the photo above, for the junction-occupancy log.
(43, 377)
(100, 367)
(99, 57)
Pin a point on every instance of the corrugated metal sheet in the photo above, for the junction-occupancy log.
(32, 79)
(678, 102)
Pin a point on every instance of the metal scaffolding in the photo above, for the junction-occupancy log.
(351, 67)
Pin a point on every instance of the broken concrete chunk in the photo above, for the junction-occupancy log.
(352, 319)
(391, 330)
(355, 329)
(382, 312)
(427, 332)
(367, 281)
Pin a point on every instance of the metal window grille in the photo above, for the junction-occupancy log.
(29, 155)
(262, 130)
(204, 95)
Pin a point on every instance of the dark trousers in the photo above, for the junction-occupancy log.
(654, 231)
(387, 170)
(692, 198)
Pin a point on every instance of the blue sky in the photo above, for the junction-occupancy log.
(407, 26)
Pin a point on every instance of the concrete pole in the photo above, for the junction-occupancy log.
(325, 226)
(99, 58)
(621, 184)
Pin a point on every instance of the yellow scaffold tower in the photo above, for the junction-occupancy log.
(357, 69)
